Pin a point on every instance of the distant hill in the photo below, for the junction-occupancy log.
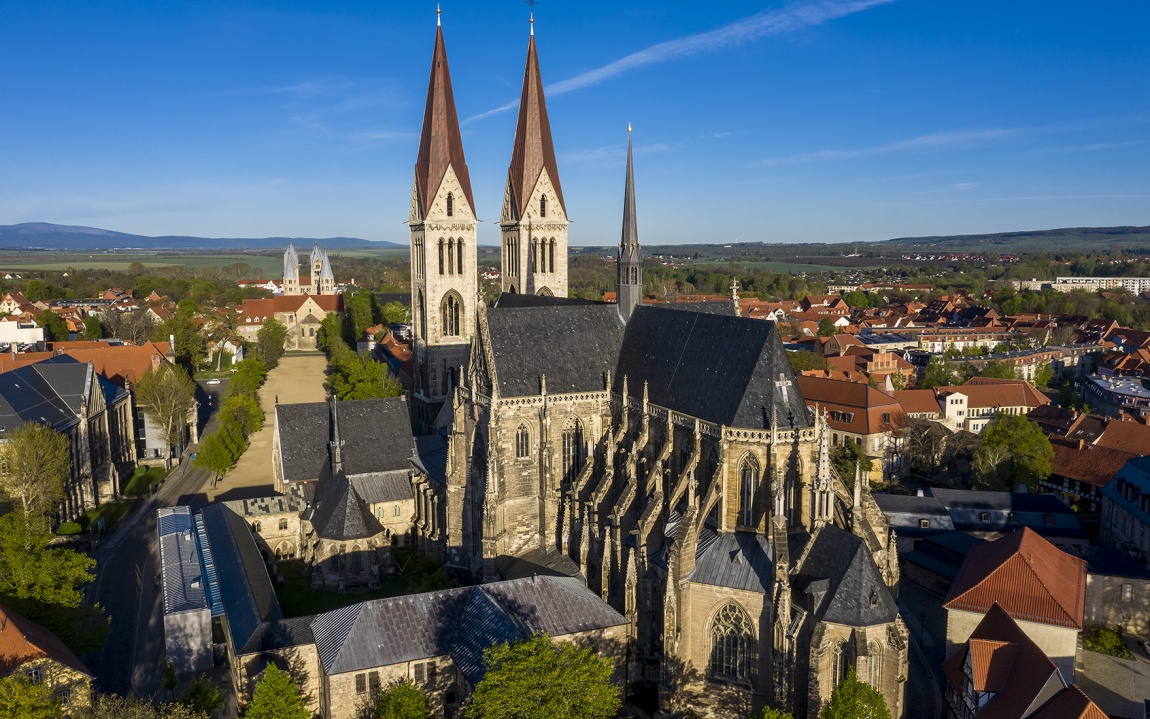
(1066, 238)
(46, 236)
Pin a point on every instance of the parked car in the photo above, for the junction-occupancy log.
(213, 382)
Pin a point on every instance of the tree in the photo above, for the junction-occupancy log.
(802, 360)
(277, 696)
(853, 699)
(38, 461)
(214, 456)
(36, 290)
(1000, 370)
(924, 443)
(244, 410)
(394, 312)
(93, 330)
(539, 679)
(846, 457)
(186, 309)
(20, 698)
(938, 374)
(111, 706)
(55, 328)
(401, 700)
(1043, 374)
(270, 343)
(191, 344)
(362, 311)
(170, 680)
(1014, 451)
(202, 696)
(330, 329)
(827, 327)
(167, 394)
(768, 713)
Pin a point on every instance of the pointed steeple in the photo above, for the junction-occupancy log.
(533, 150)
(440, 145)
(629, 279)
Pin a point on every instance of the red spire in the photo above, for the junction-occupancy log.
(440, 144)
(533, 151)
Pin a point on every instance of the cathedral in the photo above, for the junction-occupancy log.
(662, 454)
(314, 279)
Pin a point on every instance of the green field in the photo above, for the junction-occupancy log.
(265, 264)
(770, 266)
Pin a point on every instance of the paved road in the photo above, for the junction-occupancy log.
(921, 610)
(132, 660)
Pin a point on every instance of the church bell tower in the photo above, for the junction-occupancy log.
(442, 224)
(629, 276)
(534, 218)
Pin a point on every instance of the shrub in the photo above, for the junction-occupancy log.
(67, 529)
(1102, 639)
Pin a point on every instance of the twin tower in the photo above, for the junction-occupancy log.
(533, 227)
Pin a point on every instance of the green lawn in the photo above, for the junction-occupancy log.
(143, 480)
(112, 512)
(419, 573)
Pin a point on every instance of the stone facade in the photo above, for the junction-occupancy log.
(71, 688)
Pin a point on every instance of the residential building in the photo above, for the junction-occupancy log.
(1126, 509)
(1041, 587)
(1133, 285)
(971, 406)
(1117, 589)
(13, 331)
(1113, 396)
(1024, 361)
(861, 414)
(31, 650)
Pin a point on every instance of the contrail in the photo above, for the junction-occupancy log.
(764, 24)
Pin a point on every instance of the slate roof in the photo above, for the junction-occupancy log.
(340, 513)
(575, 346)
(291, 503)
(514, 300)
(431, 457)
(720, 369)
(248, 596)
(457, 622)
(738, 560)
(1031, 578)
(542, 563)
(394, 486)
(711, 307)
(46, 392)
(376, 436)
(839, 564)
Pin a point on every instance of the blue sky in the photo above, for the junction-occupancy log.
(813, 120)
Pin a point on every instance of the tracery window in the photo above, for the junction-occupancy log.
(748, 481)
(732, 647)
(572, 449)
(451, 315)
(522, 443)
(874, 665)
(841, 663)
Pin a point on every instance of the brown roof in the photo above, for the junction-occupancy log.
(1033, 397)
(440, 144)
(22, 640)
(860, 406)
(1005, 661)
(918, 401)
(120, 364)
(1031, 578)
(289, 303)
(1070, 703)
(1086, 462)
(988, 396)
(533, 150)
(1133, 437)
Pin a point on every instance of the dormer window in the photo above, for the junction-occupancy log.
(450, 204)
(543, 206)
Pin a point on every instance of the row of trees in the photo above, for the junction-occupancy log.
(20, 698)
(240, 415)
(352, 375)
(1011, 451)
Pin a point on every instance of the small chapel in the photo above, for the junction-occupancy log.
(661, 454)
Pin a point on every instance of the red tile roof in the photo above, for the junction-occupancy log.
(1005, 661)
(1031, 578)
(860, 406)
(1087, 463)
(1070, 703)
(22, 640)
(918, 401)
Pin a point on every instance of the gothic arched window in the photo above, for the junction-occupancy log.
(572, 449)
(551, 244)
(522, 443)
(451, 315)
(422, 312)
(732, 647)
(450, 204)
(459, 257)
(874, 665)
(841, 663)
(441, 255)
(543, 206)
(748, 481)
(450, 255)
(712, 464)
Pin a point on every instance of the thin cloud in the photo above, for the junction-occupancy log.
(755, 27)
(610, 154)
(934, 141)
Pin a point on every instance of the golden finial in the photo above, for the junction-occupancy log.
(628, 128)
(531, 4)
(438, 14)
